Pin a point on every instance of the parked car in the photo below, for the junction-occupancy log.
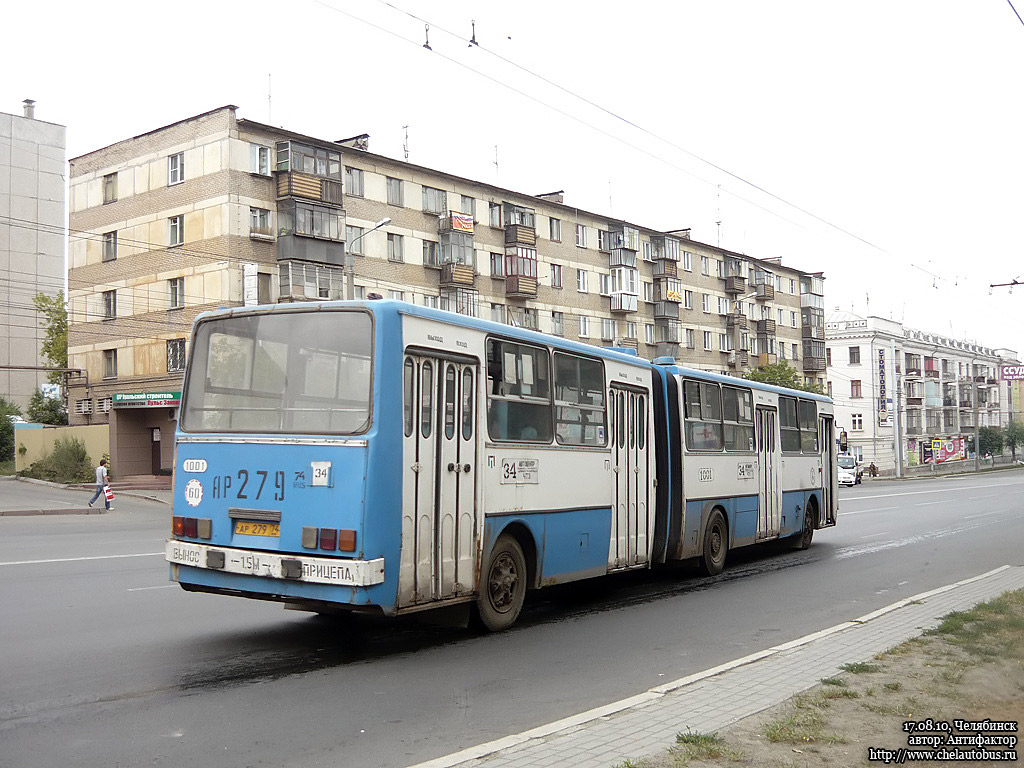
(851, 471)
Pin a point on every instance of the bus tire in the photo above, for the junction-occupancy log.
(502, 589)
(803, 541)
(716, 545)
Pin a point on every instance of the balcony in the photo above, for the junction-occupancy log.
(913, 373)
(666, 268)
(738, 359)
(814, 364)
(520, 234)
(666, 310)
(454, 221)
(623, 302)
(915, 402)
(765, 327)
(292, 184)
(622, 257)
(735, 284)
(667, 290)
(767, 358)
(765, 292)
(915, 430)
(931, 373)
(519, 287)
(668, 331)
(456, 275)
(736, 320)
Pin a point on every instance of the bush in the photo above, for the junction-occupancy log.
(67, 463)
(7, 408)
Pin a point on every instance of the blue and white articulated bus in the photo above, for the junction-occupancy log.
(379, 456)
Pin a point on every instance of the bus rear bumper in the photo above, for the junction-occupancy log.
(293, 568)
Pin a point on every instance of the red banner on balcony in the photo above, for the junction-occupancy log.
(462, 222)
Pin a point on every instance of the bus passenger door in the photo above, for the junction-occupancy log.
(630, 539)
(827, 441)
(769, 495)
(438, 480)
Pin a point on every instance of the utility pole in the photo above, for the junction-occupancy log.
(977, 443)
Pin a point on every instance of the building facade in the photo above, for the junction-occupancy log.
(32, 220)
(908, 398)
(217, 211)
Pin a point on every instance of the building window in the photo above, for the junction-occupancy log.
(792, 319)
(292, 156)
(648, 291)
(857, 422)
(498, 313)
(581, 280)
(855, 390)
(607, 328)
(705, 265)
(430, 253)
(431, 301)
(689, 339)
(175, 355)
(109, 246)
(782, 351)
(175, 230)
(308, 220)
(723, 342)
(396, 295)
(555, 230)
(176, 292)
(796, 353)
(259, 159)
(708, 341)
(109, 305)
(648, 333)
(854, 355)
(723, 305)
(557, 323)
(395, 192)
(688, 261)
(396, 248)
(604, 240)
(354, 181)
(828, 356)
(581, 236)
(605, 282)
(792, 287)
(706, 302)
(497, 265)
(494, 214)
(468, 206)
(259, 222)
(630, 330)
(556, 275)
(688, 299)
(110, 364)
(584, 326)
(176, 169)
(354, 240)
(648, 251)
(109, 188)
(434, 200)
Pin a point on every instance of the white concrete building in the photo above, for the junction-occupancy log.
(910, 397)
(32, 168)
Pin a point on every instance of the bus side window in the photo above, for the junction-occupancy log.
(408, 384)
(449, 401)
(427, 400)
(519, 392)
(789, 425)
(808, 426)
(467, 404)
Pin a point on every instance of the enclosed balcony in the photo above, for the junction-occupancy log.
(520, 287)
(765, 292)
(668, 331)
(668, 290)
(623, 302)
(765, 327)
(767, 358)
(735, 320)
(666, 310)
(456, 275)
(735, 284)
(665, 268)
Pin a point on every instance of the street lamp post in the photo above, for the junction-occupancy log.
(350, 266)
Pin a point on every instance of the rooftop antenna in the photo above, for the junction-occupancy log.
(495, 163)
(472, 40)
(405, 143)
(426, 34)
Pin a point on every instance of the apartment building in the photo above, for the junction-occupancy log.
(218, 211)
(32, 219)
(907, 397)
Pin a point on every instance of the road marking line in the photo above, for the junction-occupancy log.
(862, 511)
(143, 589)
(983, 514)
(80, 559)
(873, 535)
(929, 503)
(851, 499)
(654, 694)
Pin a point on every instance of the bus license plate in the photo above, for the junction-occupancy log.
(252, 528)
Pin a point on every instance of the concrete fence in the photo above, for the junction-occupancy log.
(39, 442)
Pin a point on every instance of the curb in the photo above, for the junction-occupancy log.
(70, 487)
(31, 512)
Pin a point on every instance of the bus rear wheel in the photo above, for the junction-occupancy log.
(502, 590)
(803, 541)
(716, 545)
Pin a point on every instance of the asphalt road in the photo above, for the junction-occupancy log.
(106, 664)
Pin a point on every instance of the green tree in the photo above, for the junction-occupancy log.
(781, 374)
(45, 410)
(1013, 436)
(990, 439)
(54, 311)
(7, 408)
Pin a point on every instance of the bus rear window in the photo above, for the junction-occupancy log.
(289, 372)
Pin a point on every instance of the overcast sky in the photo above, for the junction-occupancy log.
(881, 142)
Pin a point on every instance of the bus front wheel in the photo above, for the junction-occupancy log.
(716, 545)
(502, 590)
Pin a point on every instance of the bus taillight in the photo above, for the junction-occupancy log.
(193, 527)
(329, 539)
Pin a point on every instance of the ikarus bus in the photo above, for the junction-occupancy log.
(379, 456)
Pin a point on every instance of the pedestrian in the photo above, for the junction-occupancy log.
(101, 484)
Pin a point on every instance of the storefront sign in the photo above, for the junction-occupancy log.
(883, 408)
(146, 399)
(1011, 372)
(951, 449)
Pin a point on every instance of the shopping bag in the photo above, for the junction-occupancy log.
(109, 493)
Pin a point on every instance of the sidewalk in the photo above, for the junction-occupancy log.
(646, 724)
(14, 508)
